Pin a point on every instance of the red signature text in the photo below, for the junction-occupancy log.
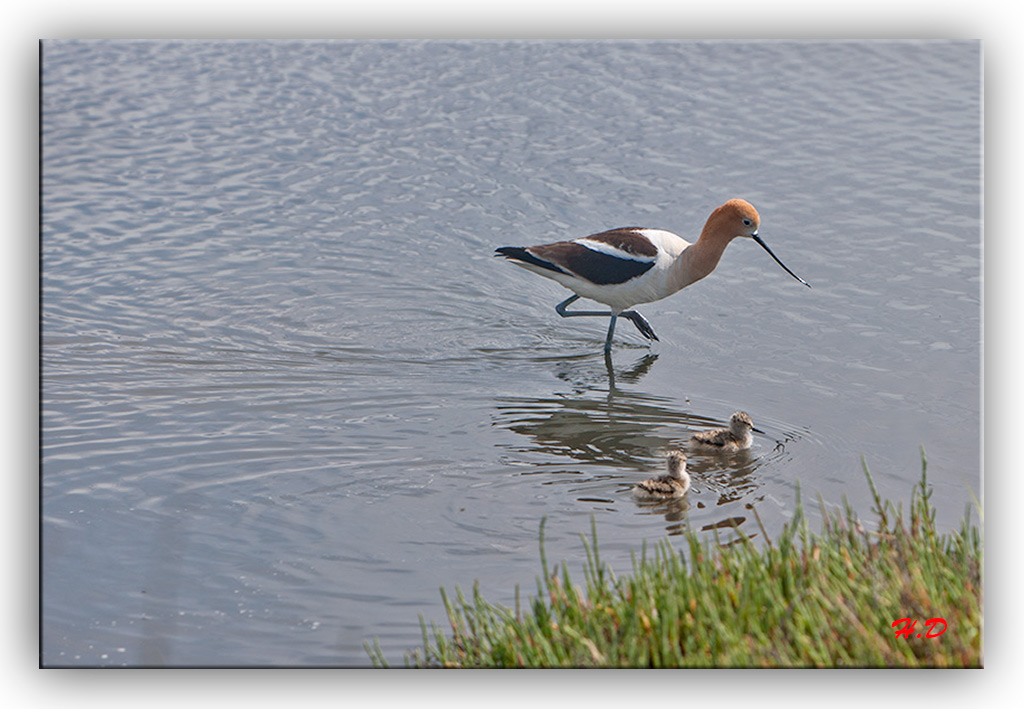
(932, 625)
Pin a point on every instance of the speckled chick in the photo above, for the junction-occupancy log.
(725, 440)
(666, 487)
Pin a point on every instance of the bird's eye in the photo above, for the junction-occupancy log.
(747, 222)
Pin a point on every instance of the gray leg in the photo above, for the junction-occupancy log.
(611, 332)
(561, 310)
(641, 323)
(633, 316)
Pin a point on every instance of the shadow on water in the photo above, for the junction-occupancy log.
(605, 433)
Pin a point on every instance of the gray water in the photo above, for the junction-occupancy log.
(288, 392)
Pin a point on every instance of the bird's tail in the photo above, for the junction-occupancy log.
(520, 253)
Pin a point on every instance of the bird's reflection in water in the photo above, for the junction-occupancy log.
(631, 375)
(595, 423)
(604, 435)
(673, 511)
(731, 476)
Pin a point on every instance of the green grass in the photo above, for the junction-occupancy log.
(803, 600)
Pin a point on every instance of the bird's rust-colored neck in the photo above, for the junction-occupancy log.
(698, 259)
(701, 258)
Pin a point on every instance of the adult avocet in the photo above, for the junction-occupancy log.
(726, 440)
(630, 265)
(666, 487)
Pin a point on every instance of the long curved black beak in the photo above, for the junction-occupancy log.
(764, 246)
(756, 430)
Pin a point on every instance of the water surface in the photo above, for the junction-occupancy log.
(288, 392)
